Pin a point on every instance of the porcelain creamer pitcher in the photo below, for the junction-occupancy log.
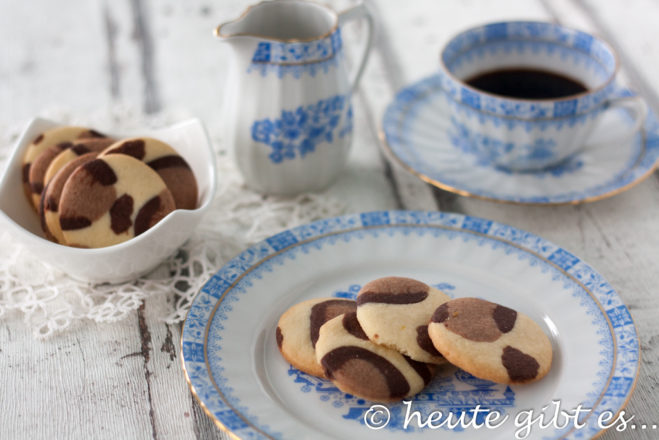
(288, 110)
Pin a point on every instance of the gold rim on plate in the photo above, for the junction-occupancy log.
(221, 426)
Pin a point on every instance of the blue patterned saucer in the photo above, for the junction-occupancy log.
(418, 132)
(233, 366)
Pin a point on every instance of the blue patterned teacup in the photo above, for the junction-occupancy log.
(529, 134)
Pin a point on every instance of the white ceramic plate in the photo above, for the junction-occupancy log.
(232, 363)
(418, 134)
(131, 258)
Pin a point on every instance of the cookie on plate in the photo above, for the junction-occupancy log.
(491, 341)
(50, 198)
(163, 159)
(47, 139)
(298, 327)
(46, 165)
(110, 200)
(395, 311)
(358, 366)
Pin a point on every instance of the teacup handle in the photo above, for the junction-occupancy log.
(358, 12)
(633, 103)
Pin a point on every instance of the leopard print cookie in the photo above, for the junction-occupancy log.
(359, 367)
(50, 198)
(491, 341)
(74, 150)
(45, 140)
(163, 159)
(395, 311)
(297, 330)
(46, 165)
(110, 200)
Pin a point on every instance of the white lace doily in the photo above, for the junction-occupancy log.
(51, 302)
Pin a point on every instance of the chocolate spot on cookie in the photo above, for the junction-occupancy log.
(83, 146)
(391, 298)
(393, 290)
(120, 213)
(441, 314)
(91, 134)
(326, 310)
(423, 339)
(182, 184)
(352, 326)
(72, 223)
(471, 318)
(359, 368)
(80, 149)
(50, 204)
(505, 318)
(36, 187)
(172, 161)
(82, 195)
(26, 173)
(520, 366)
(101, 172)
(38, 139)
(280, 337)
(422, 369)
(133, 148)
(144, 218)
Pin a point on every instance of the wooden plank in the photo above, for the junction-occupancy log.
(79, 385)
(174, 412)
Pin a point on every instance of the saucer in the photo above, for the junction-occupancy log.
(418, 133)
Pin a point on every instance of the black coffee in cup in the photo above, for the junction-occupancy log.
(526, 83)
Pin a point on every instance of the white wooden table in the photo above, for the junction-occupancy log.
(124, 380)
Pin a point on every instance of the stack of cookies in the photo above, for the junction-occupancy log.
(386, 345)
(91, 190)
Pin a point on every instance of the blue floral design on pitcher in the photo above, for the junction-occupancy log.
(297, 58)
(298, 132)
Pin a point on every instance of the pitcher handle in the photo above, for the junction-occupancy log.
(357, 12)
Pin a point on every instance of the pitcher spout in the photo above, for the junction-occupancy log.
(281, 20)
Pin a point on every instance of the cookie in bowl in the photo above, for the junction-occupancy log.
(164, 160)
(110, 200)
(44, 140)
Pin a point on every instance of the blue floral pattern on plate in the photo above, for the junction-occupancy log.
(206, 330)
(298, 132)
(420, 134)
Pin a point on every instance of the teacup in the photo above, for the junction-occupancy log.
(518, 133)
